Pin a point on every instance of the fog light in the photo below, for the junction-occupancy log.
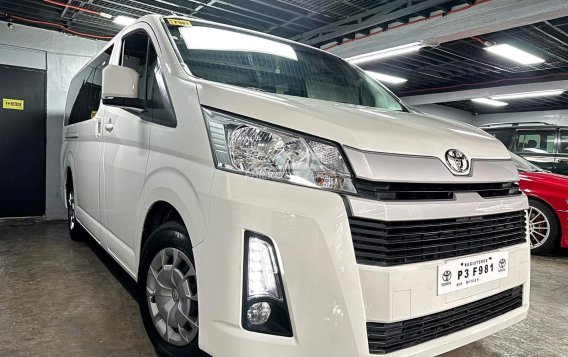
(264, 308)
(262, 271)
(258, 313)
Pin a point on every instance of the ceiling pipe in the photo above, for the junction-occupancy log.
(79, 8)
(12, 18)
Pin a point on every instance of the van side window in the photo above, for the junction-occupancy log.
(84, 96)
(534, 141)
(139, 53)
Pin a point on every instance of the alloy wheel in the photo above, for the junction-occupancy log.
(71, 209)
(171, 291)
(539, 227)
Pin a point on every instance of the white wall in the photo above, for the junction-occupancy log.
(552, 116)
(62, 56)
(446, 112)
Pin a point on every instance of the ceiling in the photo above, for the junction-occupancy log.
(517, 105)
(285, 18)
(451, 66)
(463, 65)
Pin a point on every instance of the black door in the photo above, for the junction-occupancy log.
(22, 142)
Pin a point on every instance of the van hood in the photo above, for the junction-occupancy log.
(359, 127)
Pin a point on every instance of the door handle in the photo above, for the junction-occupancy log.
(109, 127)
(98, 127)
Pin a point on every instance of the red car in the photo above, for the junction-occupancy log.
(548, 200)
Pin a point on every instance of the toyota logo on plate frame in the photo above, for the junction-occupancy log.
(457, 162)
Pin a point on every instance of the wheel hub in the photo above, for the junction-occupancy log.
(71, 209)
(539, 227)
(171, 291)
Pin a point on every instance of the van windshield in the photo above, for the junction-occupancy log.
(246, 60)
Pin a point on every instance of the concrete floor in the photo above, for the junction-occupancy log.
(61, 298)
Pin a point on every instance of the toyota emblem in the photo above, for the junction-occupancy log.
(447, 276)
(457, 162)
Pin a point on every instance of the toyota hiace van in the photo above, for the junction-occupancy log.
(271, 199)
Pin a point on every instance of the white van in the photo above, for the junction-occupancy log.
(273, 200)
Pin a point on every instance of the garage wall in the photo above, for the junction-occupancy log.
(62, 56)
(552, 116)
(446, 112)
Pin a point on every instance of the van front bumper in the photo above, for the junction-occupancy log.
(329, 296)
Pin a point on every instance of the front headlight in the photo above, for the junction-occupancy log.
(261, 151)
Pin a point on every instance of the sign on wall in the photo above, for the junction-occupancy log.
(14, 104)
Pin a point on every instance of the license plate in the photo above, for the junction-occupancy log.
(467, 272)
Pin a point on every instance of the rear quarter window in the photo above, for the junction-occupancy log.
(534, 141)
(84, 97)
(503, 135)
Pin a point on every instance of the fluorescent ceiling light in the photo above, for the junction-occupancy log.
(542, 93)
(123, 20)
(389, 52)
(386, 78)
(214, 39)
(490, 102)
(514, 54)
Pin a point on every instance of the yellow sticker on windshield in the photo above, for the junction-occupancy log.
(14, 104)
(178, 22)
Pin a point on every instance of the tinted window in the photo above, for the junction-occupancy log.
(84, 96)
(503, 135)
(140, 55)
(534, 141)
(563, 142)
(72, 114)
(270, 65)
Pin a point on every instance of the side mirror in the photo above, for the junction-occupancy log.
(120, 87)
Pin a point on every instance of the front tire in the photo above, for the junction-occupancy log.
(168, 292)
(544, 229)
(76, 232)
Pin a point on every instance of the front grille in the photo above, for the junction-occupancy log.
(388, 337)
(389, 191)
(402, 242)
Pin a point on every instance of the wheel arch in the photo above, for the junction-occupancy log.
(544, 202)
(178, 201)
(68, 169)
(160, 212)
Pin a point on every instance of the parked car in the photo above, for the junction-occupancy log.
(543, 144)
(272, 199)
(548, 201)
